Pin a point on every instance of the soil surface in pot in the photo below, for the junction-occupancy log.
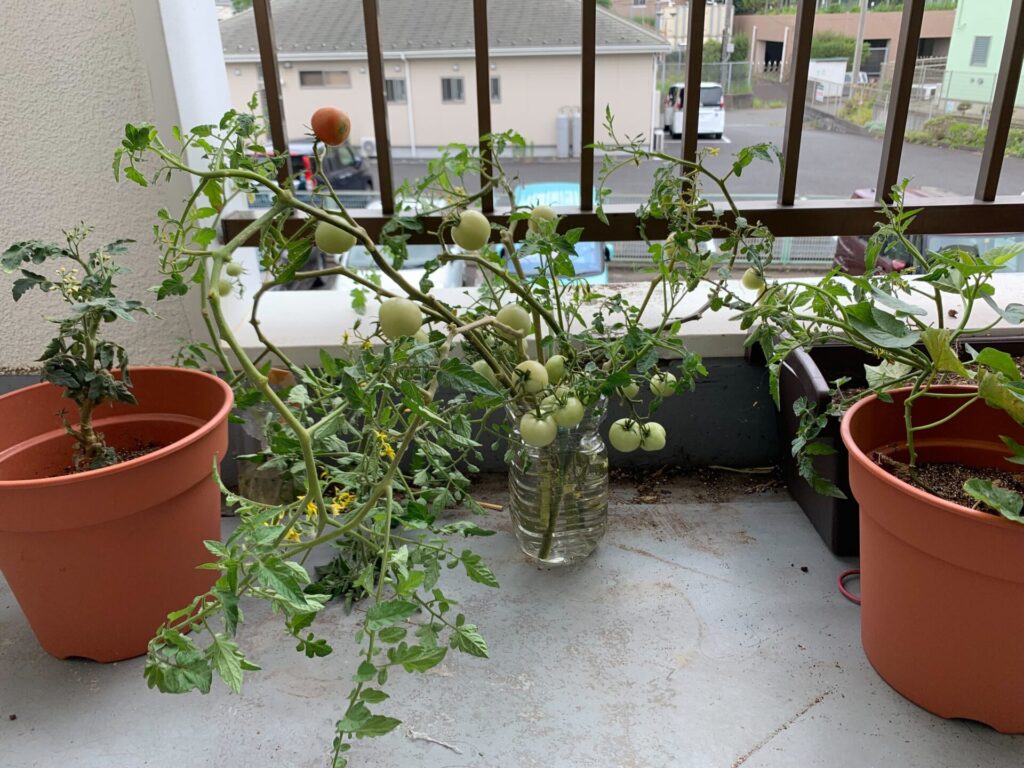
(947, 480)
(123, 455)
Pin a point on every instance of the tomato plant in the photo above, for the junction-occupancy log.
(376, 438)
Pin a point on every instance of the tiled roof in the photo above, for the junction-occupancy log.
(437, 27)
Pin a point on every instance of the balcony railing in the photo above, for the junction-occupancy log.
(985, 212)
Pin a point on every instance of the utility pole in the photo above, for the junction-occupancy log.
(855, 77)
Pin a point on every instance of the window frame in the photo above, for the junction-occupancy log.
(462, 89)
(323, 76)
(984, 212)
(405, 90)
(974, 50)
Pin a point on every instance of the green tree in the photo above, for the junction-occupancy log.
(832, 45)
(241, 5)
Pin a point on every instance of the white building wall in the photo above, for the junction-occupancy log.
(61, 117)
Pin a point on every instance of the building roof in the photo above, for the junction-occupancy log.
(333, 29)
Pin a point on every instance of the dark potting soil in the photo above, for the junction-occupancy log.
(947, 480)
(123, 455)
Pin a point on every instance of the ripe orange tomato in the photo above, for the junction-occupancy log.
(331, 125)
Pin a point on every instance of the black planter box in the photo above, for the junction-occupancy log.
(808, 374)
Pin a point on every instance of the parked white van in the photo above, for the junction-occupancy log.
(711, 119)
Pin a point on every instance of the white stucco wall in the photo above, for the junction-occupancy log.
(72, 75)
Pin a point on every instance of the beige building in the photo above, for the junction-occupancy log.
(772, 35)
(429, 68)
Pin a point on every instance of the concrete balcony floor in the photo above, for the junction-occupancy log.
(705, 631)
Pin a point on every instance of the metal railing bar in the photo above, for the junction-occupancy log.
(691, 92)
(483, 97)
(271, 83)
(588, 88)
(899, 99)
(1002, 104)
(805, 218)
(797, 97)
(375, 64)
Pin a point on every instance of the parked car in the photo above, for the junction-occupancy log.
(711, 115)
(590, 261)
(344, 167)
(851, 250)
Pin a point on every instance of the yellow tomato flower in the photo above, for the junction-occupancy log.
(311, 509)
(367, 344)
(293, 535)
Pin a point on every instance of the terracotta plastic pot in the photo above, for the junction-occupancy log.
(97, 559)
(942, 585)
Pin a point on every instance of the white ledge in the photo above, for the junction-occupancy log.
(301, 323)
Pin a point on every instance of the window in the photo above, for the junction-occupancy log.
(495, 90)
(711, 96)
(394, 90)
(639, 3)
(325, 78)
(451, 90)
(979, 53)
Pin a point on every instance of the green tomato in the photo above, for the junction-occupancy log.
(234, 269)
(515, 317)
(556, 368)
(400, 317)
(472, 232)
(570, 413)
(482, 367)
(532, 376)
(537, 431)
(332, 239)
(539, 216)
(671, 250)
(653, 436)
(663, 384)
(630, 391)
(624, 435)
(422, 336)
(751, 280)
(224, 287)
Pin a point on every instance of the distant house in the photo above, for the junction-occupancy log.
(671, 17)
(976, 51)
(429, 68)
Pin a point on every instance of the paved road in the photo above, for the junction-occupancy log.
(831, 164)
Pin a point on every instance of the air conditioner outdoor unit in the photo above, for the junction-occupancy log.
(369, 146)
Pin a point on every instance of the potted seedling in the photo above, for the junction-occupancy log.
(106, 487)
(934, 443)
